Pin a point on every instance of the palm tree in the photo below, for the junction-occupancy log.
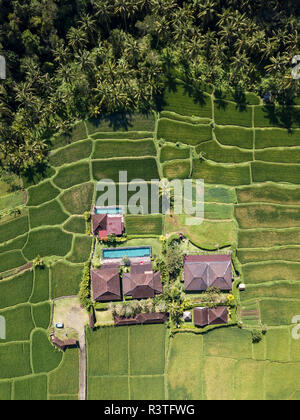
(77, 38)
(207, 10)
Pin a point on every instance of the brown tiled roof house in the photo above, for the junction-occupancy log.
(149, 318)
(210, 316)
(107, 224)
(62, 345)
(142, 282)
(106, 283)
(204, 271)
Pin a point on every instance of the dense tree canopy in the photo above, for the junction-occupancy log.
(72, 59)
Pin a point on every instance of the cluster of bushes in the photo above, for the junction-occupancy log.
(131, 308)
(214, 296)
(84, 291)
(113, 240)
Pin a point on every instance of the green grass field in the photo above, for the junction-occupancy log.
(252, 200)
(121, 359)
(175, 131)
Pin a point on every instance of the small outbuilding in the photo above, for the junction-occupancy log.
(210, 316)
(187, 316)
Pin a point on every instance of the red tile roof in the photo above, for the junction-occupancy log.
(107, 224)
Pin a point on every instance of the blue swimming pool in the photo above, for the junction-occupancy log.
(144, 251)
(108, 210)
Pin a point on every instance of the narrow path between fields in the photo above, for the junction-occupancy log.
(82, 367)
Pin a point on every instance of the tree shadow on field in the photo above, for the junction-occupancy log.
(237, 96)
(121, 121)
(199, 96)
(282, 116)
(36, 174)
(221, 104)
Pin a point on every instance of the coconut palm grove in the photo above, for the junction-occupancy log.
(100, 302)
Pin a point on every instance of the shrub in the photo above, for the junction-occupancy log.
(256, 336)
(84, 291)
(39, 262)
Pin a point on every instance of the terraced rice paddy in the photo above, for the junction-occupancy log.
(248, 157)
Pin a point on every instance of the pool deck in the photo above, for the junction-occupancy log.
(119, 261)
